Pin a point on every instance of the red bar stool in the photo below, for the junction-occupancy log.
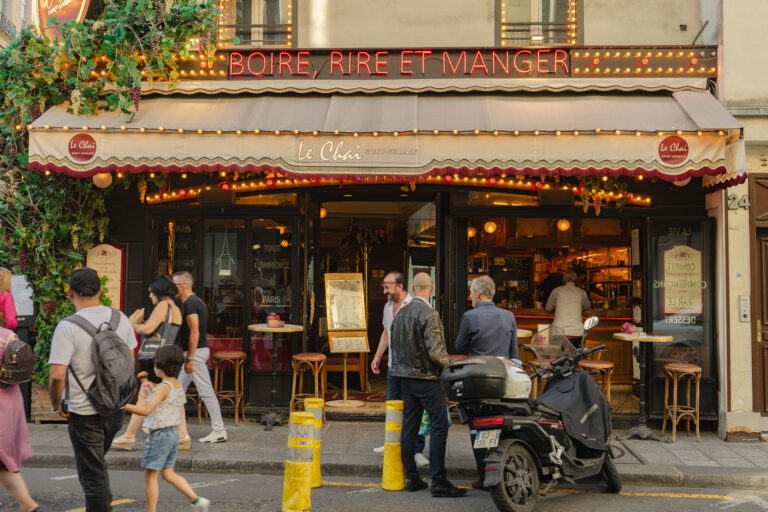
(235, 396)
(314, 362)
(675, 412)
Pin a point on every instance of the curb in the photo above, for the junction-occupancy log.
(632, 474)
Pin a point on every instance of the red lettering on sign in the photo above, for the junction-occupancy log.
(362, 62)
(673, 150)
(404, 62)
(541, 60)
(302, 61)
(271, 63)
(503, 65)
(349, 60)
(462, 59)
(236, 63)
(381, 63)
(284, 61)
(263, 58)
(337, 61)
(424, 54)
(478, 63)
(82, 147)
(561, 59)
(527, 63)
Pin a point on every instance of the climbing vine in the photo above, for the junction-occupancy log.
(49, 221)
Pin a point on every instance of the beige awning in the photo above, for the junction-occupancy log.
(394, 135)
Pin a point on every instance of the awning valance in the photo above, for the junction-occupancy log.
(396, 136)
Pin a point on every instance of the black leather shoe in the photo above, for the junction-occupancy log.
(415, 484)
(447, 490)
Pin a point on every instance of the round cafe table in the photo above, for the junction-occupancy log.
(641, 430)
(273, 417)
(524, 333)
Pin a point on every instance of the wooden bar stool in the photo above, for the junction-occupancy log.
(313, 361)
(604, 368)
(235, 396)
(675, 412)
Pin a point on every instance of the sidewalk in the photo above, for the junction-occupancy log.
(347, 451)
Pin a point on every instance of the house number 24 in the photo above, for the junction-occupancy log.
(735, 202)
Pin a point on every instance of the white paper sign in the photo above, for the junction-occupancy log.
(22, 295)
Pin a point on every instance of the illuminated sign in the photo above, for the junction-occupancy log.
(63, 11)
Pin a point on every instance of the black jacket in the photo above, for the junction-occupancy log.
(417, 347)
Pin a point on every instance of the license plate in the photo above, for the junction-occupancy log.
(487, 438)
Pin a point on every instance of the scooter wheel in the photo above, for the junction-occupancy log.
(611, 475)
(518, 490)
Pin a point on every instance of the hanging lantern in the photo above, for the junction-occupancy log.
(102, 180)
(490, 227)
(471, 232)
(283, 243)
(563, 224)
(323, 213)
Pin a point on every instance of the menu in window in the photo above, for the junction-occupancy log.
(682, 281)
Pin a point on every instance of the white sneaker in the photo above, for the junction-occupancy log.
(216, 436)
(201, 504)
(421, 460)
(379, 449)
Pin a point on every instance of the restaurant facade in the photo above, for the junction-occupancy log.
(485, 146)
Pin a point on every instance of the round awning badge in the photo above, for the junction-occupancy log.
(82, 147)
(673, 150)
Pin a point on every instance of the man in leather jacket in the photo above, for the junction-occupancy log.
(418, 355)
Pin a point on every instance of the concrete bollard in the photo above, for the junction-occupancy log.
(393, 474)
(298, 464)
(315, 406)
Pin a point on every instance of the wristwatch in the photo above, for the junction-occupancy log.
(55, 411)
(188, 360)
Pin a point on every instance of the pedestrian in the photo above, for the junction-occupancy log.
(14, 437)
(161, 292)
(7, 306)
(72, 348)
(568, 301)
(192, 341)
(396, 291)
(485, 330)
(418, 356)
(162, 410)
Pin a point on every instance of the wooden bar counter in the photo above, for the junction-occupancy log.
(619, 352)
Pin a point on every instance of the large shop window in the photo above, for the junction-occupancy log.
(223, 269)
(270, 285)
(256, 23)
(177, 246)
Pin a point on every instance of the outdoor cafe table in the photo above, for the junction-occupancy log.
(642, 430)
(272, 417)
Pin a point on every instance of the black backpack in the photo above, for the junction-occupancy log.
(18, 362)
(115, 383)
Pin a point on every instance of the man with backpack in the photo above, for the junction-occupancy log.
(91, 380)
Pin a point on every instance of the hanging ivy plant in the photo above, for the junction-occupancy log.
(48, 222)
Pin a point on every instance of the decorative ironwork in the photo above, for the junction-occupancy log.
(535, 34)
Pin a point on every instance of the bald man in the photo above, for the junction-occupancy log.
(418, 355)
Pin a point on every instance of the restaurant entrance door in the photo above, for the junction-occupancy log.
(760, 348)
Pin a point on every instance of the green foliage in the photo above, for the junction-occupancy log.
(47, 223)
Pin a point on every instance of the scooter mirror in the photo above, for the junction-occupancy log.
(590, 322)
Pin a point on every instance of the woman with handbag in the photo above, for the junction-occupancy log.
(159, 330)
(7, 306)
(15, 446)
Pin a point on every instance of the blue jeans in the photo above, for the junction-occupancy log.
(91, 437)
(395, 392)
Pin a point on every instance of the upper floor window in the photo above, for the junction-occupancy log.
(537, 22)
(256, 23)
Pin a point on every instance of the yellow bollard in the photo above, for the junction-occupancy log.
(298, 464)
(315, 406)
(393, 474)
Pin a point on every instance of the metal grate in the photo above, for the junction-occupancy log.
(534, 34)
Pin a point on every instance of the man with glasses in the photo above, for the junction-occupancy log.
(395, 290)
(192, 340)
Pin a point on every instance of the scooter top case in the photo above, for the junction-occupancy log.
(480, 377)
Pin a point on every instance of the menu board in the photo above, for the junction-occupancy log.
(348, 342)
(682, 281)
(108, 261)
(345, 303)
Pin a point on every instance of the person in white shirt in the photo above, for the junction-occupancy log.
(568, 302)
(395, 290)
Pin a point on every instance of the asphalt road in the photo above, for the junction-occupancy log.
(58, 490)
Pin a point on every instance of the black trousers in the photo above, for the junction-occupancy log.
(420, 395)
(91, 438)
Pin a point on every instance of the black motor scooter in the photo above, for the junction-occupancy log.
(535, 444)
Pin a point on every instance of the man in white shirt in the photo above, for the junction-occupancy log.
(568, 302)
(395, 290)
(91, 435)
